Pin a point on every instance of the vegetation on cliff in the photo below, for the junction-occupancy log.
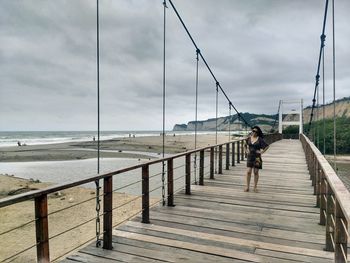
(317, 134)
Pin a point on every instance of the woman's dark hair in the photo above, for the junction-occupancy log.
(260, 133)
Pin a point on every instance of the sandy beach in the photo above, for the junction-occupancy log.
(16, 215)
(139, 147)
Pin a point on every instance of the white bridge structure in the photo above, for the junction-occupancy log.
(290, 107)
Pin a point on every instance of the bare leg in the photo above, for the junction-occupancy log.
(256, 179)
(248, 176)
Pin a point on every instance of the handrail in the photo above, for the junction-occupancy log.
(333, 199)
(52, 189)
(40, 197)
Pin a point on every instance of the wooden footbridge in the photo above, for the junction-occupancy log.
(300, 213)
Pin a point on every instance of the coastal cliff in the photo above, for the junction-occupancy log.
(266, 122)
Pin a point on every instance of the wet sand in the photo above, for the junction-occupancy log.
(139, 147)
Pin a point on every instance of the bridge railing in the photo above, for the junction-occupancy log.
(230, 152)
(333, 199)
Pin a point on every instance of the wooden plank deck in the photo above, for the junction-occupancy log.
(221, 223)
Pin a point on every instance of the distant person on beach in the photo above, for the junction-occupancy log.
(255, 147)
(94, 139)
(19, 143)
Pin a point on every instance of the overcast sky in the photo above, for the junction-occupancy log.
(261, 51)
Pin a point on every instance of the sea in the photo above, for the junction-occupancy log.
(11, 138)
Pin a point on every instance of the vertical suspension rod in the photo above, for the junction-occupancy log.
(196, 119)
(216, 124)
(334, 116)
(98, 84)
(323, 106)
(163, 130)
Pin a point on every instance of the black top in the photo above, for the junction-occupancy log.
(256, 146)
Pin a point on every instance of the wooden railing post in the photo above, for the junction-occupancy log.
(220, 160)
(227, 156)
(340, 236)
(201, 167)
(42, 229)
(211, 163)
(238, 155)
(107, 212)
(317, 184)
(314, 168)
(233, 154)
(145, 194)
(329, 222)
(170, 172)
(188, 174)
(323, 200)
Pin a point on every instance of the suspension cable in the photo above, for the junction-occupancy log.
(334, 116)
(323, 106)
(317, 78)
(163, 133)
(318, 119)
(196, 119)
(205, 62)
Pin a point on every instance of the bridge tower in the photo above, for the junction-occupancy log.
(288, 107)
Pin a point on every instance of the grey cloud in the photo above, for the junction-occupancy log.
(259, 50)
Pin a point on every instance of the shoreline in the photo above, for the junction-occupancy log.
(139, 147)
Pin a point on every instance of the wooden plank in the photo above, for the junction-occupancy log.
(290, 256)
(239, 228)
(183, 253)
(232, 240)
(245, 209)
(241, 233)
(87, 258)
(269, 221)
(228, 253)
(113, 254)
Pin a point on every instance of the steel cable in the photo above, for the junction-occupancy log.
(205, 62)
(317, 78)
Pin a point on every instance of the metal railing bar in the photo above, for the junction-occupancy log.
(343, 253)
(21, 252)
(324, 198)
(332, 239)
(179, 177)
(345, 228)
(333, 200)
(177, 167)
(72, 228)
(15, 228)
(324, 213)
(125, 186)
(80, 245)
(68, 207)
(155, 189)
(128, 202)
(332, 218)
(151, 176)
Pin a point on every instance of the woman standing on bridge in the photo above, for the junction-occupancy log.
(256, 146)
